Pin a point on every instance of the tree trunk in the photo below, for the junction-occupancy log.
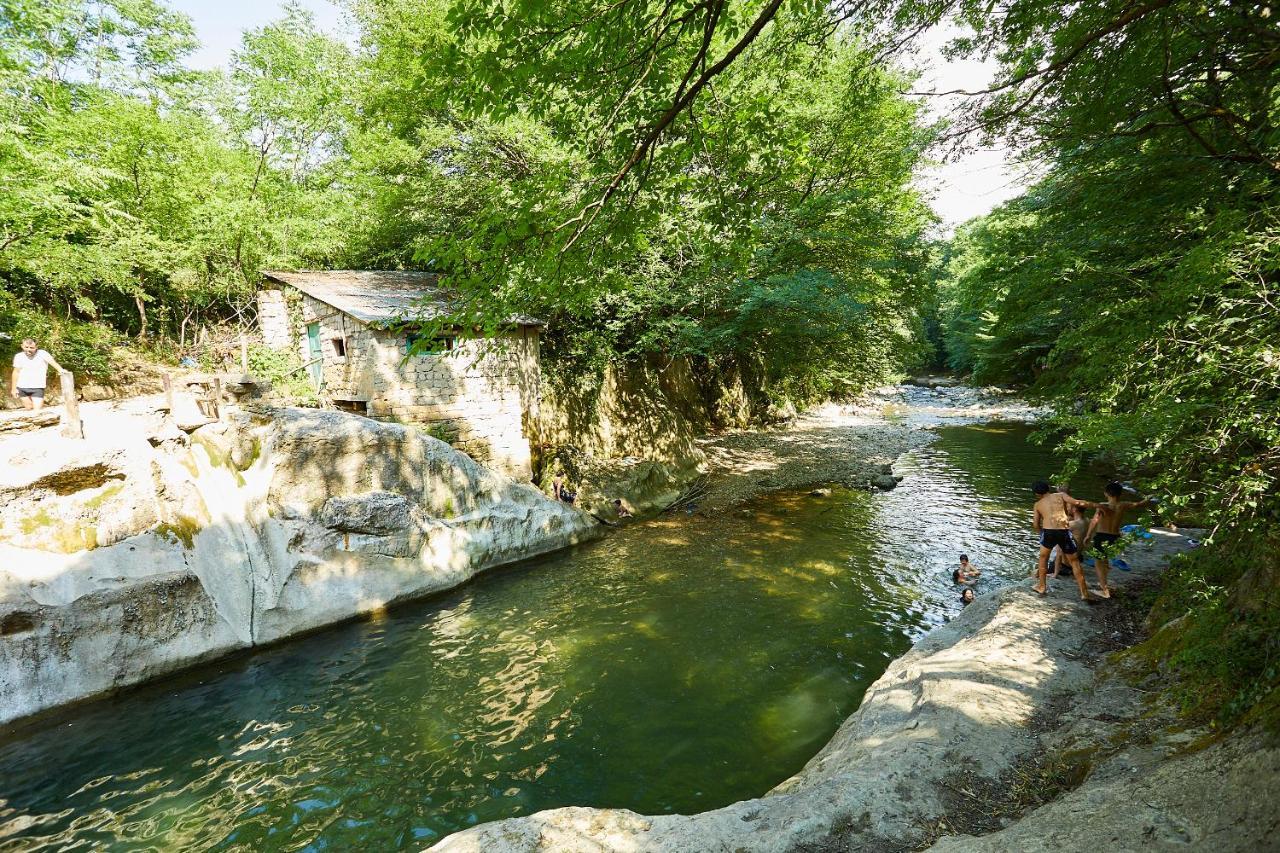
(142, 316)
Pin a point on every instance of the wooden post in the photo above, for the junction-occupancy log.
(168, 391)
(71, 425)
(217, 397)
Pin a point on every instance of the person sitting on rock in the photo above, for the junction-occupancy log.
(621, 510)
(966, 597)
(966, 568)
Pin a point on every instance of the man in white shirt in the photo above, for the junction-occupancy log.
(30, 367)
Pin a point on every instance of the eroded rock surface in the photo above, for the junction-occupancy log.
(143, 549)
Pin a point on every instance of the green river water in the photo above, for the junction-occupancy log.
(675, 666)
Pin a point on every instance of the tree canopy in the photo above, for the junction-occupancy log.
(1137, 282)
(772, 215)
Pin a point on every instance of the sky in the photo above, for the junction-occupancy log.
(980, 179)
(966, 187)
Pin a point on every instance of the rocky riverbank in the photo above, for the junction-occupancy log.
(854, 445)
(155, 542)
(1009, 728)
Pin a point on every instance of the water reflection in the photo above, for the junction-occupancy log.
(676, 666)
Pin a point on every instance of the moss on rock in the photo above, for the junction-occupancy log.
(182, 529)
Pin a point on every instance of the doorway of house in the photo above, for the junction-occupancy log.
(316, 364)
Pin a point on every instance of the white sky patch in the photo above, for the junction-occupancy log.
(971, 183)
(220, 24)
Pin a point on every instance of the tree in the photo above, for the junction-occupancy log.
(794, 171)
(1138, 281)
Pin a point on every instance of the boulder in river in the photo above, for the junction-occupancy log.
(886, 482)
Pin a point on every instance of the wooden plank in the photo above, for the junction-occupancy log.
(168, 391)
(71, 425)
(217, 397)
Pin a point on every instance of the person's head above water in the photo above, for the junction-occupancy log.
(1040, 487)
(957, 576)
(966, 596)
(1113, 489)
(964, 559)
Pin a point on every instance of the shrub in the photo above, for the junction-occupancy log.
(83, 348)
(1219, 637)
(284, 370)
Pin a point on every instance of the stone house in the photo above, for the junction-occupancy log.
(354, 329)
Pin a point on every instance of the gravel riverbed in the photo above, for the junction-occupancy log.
(852, 444)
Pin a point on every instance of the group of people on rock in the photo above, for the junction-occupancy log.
(561, 492)
(1059, 521)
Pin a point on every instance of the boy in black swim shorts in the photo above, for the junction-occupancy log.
(1052, 521)
(1106, 529)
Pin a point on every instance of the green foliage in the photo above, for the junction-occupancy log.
(442, 432)
(775, 223)
(1135, 287)
(1136, 284)
(146, 196)
(1220, 640)
(284, 370)
(83, 348)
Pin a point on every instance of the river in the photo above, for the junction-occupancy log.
(675, 666)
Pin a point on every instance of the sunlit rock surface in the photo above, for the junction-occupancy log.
(146, 548)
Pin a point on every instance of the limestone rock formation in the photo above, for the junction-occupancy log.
(143, 549)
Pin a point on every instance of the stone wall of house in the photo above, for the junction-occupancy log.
(352, 363)
(482, 397)
(273, 319)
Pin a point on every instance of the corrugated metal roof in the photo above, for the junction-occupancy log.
(377, 297)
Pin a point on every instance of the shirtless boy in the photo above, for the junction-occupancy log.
(1051, 521)
(1105, 528)
(1079, 527)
